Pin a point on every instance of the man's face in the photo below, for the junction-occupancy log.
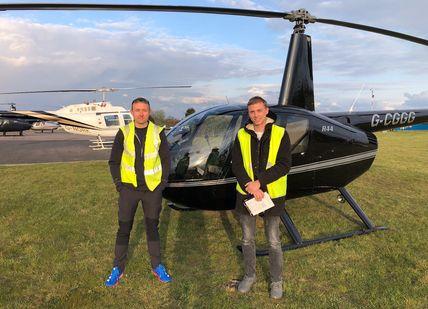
(141, 113)
(258, 113)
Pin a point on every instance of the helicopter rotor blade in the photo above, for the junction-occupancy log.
(140, 7)
(373, 29)
(154, 87)
(102, 89)
(293, 16)
(49, 91)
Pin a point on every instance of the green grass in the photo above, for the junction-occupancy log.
(58, 225)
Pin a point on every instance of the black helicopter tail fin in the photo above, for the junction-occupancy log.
(297, 87)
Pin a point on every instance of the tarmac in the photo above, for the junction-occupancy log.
(47, 147)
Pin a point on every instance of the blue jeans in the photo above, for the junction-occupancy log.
(271, 224)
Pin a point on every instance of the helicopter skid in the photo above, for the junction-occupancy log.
(306, 243)
(298, 242)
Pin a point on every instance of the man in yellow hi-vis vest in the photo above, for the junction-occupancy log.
(139, 164)
(261, 159)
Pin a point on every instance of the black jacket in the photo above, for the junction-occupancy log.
(139, 141)
(259, 156)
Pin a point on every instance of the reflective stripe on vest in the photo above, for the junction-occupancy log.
(278, 188)
(152, 160)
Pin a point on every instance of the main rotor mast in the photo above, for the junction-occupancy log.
(297, 83)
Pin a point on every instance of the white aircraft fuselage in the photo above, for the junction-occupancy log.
(93, 119)
(100, 119)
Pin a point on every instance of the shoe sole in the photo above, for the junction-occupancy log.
(160, 280)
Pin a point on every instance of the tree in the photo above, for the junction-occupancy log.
(189, 111)
(161, 119)
(158, 117)
(171, 121)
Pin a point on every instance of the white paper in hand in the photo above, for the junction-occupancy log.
(256, 207)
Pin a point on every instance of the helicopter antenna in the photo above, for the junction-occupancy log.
(351, 109)
(372, 103)
(227, 100)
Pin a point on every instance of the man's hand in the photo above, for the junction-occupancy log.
(252, 187)
(119, 186)
(259, 194)
(163, 184)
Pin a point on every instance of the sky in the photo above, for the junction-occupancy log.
(224, 58)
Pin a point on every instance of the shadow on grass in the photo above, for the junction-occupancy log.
(337, 210)
(231, 235)
(191, 262)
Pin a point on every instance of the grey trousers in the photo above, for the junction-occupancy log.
(271, 224)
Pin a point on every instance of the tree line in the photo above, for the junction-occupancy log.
(160, 118)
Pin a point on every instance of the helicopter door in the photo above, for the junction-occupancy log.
(298, 129)
(200, 150)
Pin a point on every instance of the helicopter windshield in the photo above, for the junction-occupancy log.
(199, 150)
(111, 120)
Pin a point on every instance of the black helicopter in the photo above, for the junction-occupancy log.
(14, 124)
(328, 150)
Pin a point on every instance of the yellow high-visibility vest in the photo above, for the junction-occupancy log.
(278, 188)
(152, 160)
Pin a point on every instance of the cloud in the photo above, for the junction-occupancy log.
(243, 4)
(349, 52)
(418, 100)
(122, 25)
(133, 52)
(50, 56)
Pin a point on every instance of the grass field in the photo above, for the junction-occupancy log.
(58, 225)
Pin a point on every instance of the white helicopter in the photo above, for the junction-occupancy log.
(100, 119)
(42, 126)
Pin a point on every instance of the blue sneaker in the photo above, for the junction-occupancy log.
(161, 273)
(114, 277)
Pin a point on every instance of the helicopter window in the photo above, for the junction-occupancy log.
(297, 129)
(111, 120)
(180, 134)
(127, 118)
(200, 152)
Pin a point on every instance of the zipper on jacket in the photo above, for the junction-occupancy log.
(141, 146)
(258, 155)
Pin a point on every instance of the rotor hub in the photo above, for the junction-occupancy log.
(301, 18)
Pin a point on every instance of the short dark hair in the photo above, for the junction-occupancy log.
(140, 100)
(255, 100)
